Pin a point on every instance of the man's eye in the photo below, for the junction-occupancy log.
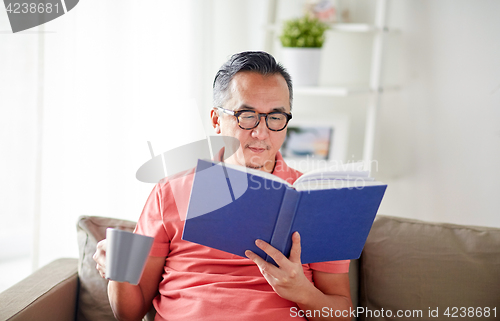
(276, 117)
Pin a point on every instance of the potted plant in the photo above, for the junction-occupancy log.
(302, 39)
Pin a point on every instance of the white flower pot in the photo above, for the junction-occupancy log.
(303, 64)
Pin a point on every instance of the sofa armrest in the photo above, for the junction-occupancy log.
(50, 293)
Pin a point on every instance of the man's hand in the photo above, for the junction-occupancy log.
(131, 302)
(100, 257)
(287, 280)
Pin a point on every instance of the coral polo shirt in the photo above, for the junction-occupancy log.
(201, 283)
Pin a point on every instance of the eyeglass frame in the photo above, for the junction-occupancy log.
(259, 116)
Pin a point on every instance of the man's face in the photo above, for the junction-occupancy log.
(263, 94)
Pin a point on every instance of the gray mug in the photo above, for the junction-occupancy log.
(126, 255)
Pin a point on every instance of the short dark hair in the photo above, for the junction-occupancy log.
(257, 61)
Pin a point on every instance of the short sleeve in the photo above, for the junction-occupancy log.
(331, 266)
(150, 223)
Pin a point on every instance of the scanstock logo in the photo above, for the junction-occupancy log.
(26, 14)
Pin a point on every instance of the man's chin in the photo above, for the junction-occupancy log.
(260, 164)
(254, 166)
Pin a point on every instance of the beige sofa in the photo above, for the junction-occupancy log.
(408, 270)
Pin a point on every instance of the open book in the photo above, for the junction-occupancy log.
(232, 206)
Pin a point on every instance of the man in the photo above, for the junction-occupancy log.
(187, 281)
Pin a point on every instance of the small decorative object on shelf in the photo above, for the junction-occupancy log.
(302, 40)
(324, 10)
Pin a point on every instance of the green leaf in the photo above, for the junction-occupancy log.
(304, 31)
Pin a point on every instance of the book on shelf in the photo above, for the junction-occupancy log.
(232, 206)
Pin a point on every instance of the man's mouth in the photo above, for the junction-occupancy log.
(257, 150)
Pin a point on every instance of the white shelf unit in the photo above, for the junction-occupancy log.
(373, 91)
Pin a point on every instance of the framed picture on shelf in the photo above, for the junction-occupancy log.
(307, 141)
(310, 143)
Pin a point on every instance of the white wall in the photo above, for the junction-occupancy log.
(19, 96)
(18, 138)
(439, 138)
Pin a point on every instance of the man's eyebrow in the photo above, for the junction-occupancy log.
(282, 109)
(246, 107)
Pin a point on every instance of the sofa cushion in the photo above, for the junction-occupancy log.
(413, 265)
(93, 298)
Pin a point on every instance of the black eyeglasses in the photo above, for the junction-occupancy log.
(248, 119)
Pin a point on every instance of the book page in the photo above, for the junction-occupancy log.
(256, 172)
(358, 183)
(344, 172)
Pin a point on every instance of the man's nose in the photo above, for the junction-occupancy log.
(261, 132)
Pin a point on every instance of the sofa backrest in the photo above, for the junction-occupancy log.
(431, 269)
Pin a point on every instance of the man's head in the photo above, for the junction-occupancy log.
(252, 81)
(257, 61)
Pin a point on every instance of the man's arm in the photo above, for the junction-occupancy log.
(330, 291)
(131, 302)
(336, 295)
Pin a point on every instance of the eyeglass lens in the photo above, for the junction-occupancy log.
(275, 121)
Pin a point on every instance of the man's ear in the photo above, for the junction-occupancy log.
(215, 120)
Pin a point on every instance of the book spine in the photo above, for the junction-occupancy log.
(286, 215)
(228, 180)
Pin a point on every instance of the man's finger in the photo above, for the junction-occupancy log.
(264, 267)
(296, 248)
(101, 245)
(270, 250)
(100, 253)
(254, 257)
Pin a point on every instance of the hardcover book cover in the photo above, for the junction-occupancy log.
(232, 206)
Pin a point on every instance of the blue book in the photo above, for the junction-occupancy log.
(232, 206)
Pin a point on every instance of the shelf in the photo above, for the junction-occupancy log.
(331, 91)
(353, 27)
(339, 91)
(341, 27)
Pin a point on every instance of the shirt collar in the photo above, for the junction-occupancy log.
(281, 169)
